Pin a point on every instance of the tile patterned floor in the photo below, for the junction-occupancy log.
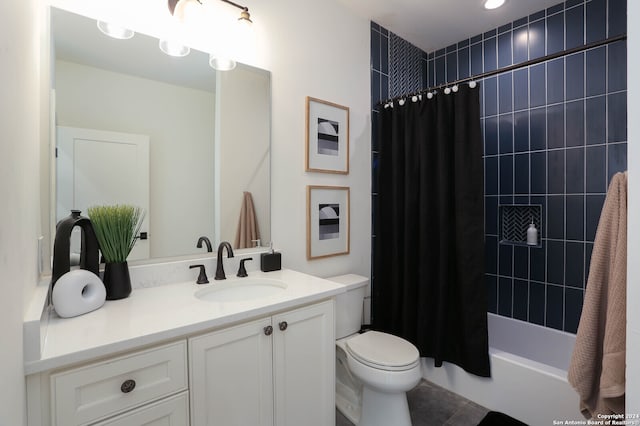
(431, 405)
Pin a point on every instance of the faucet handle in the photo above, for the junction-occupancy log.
(242, 272)
(202, 277)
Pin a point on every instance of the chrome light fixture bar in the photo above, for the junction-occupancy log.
(176, 6)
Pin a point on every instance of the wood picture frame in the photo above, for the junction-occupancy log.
(328, 221)
(327, 137)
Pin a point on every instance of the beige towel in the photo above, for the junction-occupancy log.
(247, 224)
(597, 369)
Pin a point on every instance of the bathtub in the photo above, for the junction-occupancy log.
(529, 366)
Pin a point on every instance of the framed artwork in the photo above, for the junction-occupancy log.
(327, 148)
(327, 221)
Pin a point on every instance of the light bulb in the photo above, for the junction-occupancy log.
(115, 31)
(493, 4)
(221, 64)
(173, 48)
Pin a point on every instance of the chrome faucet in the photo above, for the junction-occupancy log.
(220, 268)
(206, 241)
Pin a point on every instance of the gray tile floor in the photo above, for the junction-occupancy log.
(431, 405)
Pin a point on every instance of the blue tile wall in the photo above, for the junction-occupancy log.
(554, 134)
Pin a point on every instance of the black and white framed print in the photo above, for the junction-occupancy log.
(327, 221)
(327, 137)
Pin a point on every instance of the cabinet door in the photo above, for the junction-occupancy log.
(231, 376)
(173, 411)
(304, 366)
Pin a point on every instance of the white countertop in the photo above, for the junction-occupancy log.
(156, 314)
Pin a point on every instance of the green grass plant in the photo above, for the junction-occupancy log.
(116, 228)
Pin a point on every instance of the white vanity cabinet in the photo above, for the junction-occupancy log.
(277, 370)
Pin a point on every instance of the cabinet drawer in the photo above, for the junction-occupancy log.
(93, 392)
(172, 411)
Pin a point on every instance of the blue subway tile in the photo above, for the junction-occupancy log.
(538, 128)
(617, 117)
(505, 295)
(555, 304)
(555, 9)
(617, 17)
(520, 299)
(537, 39)
(520, 89)
(521, 165)
(596, 20)
(440, 52)
(384, 31)
(555, 81)
(575, 217)
(575, 76)
(506, 174)
(555, 217)
(384, 87)
(504, 28)
(375, 87)
(452, 66)
(491, 175)
(538, 172)
(570, 3)
(521, 262)
(555, 126)
(463, 63)
(555, 262)
(463, 43)
(506, 199)
(520, 45)
(572, 309)
(476, 39)
(596, 120)
(574, 116)
(431, 55)
(491, 215)
(489, 34)
(555, 171)
(575, 170)
(375, 50)
(521, 131)
(596, 71)
(574, 21)
(616, 159)
(441, 66)
(555, 33)
(491, 254)
(617, 64)
(596, 169)
(492, 293)
(505, 98)
(431, 66)
(588, 250)
(490, 96)
(504, 50)
(505, 259)
(537, 85)
(521, 199)
(490, 54)
(375, 26)
(537, 296)
(536, 16)
(594, 205)
(505, 135)
(520, 22)
(384, 55)
(538, 263)
(476, 59)
(491, 136)
(574, 264)
(451, 48)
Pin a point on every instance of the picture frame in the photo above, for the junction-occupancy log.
(328, 221)
(327, 138)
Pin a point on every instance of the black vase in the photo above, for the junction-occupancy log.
(117, 280)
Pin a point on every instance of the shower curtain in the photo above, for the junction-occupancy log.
(429, 231)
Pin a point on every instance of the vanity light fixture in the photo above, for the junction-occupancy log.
(178, 9)
(173, 48)
(115, 31)
(493, 4)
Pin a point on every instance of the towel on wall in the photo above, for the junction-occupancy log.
(597, 369)
(247, 224)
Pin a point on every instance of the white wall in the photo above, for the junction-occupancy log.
(633, 217)
(19, 191)
(179, 121)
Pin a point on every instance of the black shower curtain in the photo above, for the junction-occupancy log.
(429, 231)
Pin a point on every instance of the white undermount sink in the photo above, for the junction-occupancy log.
(241, 290)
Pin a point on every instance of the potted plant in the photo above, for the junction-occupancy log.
(116, 228)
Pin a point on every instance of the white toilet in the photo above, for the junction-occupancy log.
(374, 370)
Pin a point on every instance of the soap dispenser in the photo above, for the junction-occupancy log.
(270, 261)
(532, 235)
(89, 256)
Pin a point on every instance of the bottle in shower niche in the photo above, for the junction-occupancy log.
(532, 235)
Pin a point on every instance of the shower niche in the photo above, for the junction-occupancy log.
(515, 221)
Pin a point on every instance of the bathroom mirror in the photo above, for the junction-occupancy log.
(134, 125)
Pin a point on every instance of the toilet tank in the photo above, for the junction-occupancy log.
(349, 305)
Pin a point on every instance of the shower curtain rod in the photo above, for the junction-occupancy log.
(511, 67)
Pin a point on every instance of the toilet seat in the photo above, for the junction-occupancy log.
(383, 351)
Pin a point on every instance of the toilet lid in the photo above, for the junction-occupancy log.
(382, 350)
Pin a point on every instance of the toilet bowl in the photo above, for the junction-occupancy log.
(374, 370)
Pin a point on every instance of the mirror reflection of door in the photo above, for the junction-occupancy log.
(97, 167)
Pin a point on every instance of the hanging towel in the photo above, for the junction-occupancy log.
(597, 369)
(247, 224)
